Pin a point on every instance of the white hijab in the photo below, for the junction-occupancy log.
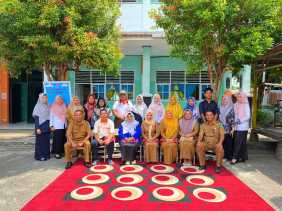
(225, 109)
(141, 108)
(129, 126)
(41, 110)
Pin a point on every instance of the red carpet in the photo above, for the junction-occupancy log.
(147, 191)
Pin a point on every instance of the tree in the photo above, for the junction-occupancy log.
(58, 35)
(220, 35)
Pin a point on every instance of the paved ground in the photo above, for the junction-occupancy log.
(21, 177)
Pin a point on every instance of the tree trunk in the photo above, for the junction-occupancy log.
(47, 69)
(62, 72)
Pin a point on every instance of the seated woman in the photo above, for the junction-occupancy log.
(129, 134)
(188, 130)
(169, 131)
(150, 133)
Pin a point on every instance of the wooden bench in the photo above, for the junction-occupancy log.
(274, 133)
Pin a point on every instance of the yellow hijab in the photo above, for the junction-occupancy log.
(171, 125)
(175, 107)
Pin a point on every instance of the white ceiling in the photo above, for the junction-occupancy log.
(133, 45)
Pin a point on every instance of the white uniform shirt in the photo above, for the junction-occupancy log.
(104, 129)
(123, 108)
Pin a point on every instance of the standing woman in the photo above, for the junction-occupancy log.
(188, 130)
(191, 105)
(58, 126)
(140, 107)
(41, 115)
(157, 108)
(73, 106)
(242, 124)
(129, 134)
(226, 117)
(102, 105)
(169, 132)
(121, 108)
(89, 110)
(150, 133)
(175, 107)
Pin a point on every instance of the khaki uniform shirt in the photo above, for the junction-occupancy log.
(211, 134)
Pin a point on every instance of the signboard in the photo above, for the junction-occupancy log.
(54, 88)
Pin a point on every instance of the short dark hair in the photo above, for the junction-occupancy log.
(208, 89)
(212, 111)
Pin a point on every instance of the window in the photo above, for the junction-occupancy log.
(129, 89)
(192, 90)
(99, 90)
(228, 82)
(163, 90)
(181, 82)
(107, 86)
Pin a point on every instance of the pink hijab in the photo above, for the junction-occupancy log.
(59, 110)
(242, 104)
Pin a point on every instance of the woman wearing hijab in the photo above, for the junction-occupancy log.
(58, 126)
(41, 115)
(242, 124)
(73, 106)
(150, 133)
(191, 105)
(157, 108)
(169, 131)
(102, 105)
(175, 107)
(188, 130)
(129, 134)
(89, 110)
(226, 118)
(140, 107)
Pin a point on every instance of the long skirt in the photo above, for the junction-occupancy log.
(128, 151)
(169, 151)
(59, 140)
(151, 151)
(187, 148)
(240, 151)
(228, 146)
(42, 146)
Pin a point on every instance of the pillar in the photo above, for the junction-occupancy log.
(4, 94)
(146, 65)
(246, 79)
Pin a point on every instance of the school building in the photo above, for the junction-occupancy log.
(146, 68)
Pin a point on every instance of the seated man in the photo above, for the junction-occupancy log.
(211, 137)
(104, 135)
(78, 134)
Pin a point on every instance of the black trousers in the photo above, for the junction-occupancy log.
(59, 140)
(228, 146)
(42, 146)
(128, 151)
(240, 151)
(95, 147)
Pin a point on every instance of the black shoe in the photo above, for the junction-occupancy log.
(202, 167)
(68, 165)
(87, 164)
(217, 169)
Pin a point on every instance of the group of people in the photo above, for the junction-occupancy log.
(176, 133)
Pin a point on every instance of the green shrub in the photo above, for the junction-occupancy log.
(264, 118)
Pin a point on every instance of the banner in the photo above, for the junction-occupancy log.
(54, 88)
